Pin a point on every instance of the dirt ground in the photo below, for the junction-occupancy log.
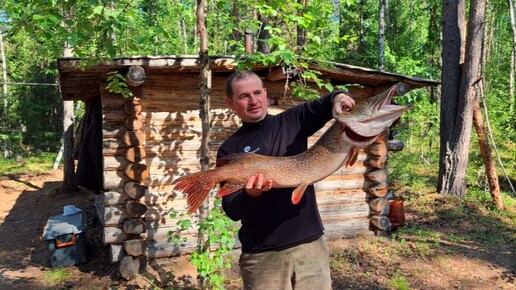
(27, 201)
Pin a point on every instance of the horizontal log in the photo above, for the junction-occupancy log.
(346, 211)
(341, 184)
(378, 204)
(135, 208)
(129, 267)
(165, 103)
(136, 190)
(98, 202)
(135, 247)
(341, 197)
(185, 119)
(164, 249)
(165, 146)
(112, 147)
(377, 149)
(114, 235)
(378, 175)
(378, 190)
(114, 115)
(112, 130)
(112, 101)
(133, 107)
(134, 226)
(116, 252)
(384, 211)
(137, 171)
(114, 197)
(121, 162)
(381, 222)
(133, 138)
(136, 76)
(346, 228)
(114, 180)
(114, 215)
(119, 197)
(377, 162)
(134, 122)
(395, 145)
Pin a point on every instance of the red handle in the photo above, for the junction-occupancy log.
(66, 244)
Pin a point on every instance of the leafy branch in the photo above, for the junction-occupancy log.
(118, 85)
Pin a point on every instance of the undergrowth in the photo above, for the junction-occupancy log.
(33, 164)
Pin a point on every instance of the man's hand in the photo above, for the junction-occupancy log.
(342, 102)
(256, 185)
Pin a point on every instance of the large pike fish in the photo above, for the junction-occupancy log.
(338, 146)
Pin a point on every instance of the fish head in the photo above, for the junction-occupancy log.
(370, 117)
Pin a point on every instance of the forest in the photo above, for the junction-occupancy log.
(467, 46)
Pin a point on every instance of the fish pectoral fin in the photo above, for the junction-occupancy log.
(352, 157)
(229, 188)
(297, 194)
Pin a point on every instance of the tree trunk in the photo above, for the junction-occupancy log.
(457, 93)
(4, 70)
(263, 35)
(235, 34)
(381, 35)
(512, 96)
(204, 112)
(301, 32)
(485, 150)
(361, 34)
(69, 182)
(4, 89)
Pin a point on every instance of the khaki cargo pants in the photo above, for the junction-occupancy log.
(302, 267)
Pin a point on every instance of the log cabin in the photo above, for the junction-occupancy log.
(129, 150)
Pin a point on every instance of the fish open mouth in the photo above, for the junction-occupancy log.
(353, 136)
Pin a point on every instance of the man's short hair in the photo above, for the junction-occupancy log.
(238, 76)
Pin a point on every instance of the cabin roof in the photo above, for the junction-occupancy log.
(78, 83)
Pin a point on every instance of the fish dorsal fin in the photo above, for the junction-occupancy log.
(230, 158)
(297, 194)
(229, 188)
(352, 157)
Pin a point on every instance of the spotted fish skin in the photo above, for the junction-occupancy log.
(338, 146)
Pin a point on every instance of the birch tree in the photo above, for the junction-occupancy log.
(512, 95)
(381, 34)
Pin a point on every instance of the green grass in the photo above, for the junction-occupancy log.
(57, 275)
(35, 164)
(399, 281)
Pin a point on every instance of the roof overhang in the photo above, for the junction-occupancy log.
(79, 80)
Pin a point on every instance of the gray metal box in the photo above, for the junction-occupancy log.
(65, 236)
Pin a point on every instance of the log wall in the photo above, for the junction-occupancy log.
(152, 139)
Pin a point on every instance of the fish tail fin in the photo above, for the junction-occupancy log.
(229, 188)
(196, 186)
(297, 194)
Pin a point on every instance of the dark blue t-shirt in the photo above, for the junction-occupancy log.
(271, 222)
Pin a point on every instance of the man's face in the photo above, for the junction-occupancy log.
(249, 100)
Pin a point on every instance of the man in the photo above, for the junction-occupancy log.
(282, 244)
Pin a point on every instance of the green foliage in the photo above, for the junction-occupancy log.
(117, 84)
(39, 163)
(399, 281)
(55, 276)
(215, 254)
